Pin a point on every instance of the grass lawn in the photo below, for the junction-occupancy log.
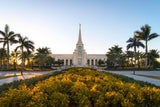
(154, 77)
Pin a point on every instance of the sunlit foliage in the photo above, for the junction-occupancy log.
(82, 87)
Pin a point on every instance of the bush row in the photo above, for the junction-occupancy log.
(82, 87)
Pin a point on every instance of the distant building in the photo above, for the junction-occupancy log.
(79, 56)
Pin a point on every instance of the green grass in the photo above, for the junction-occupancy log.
(154, 77)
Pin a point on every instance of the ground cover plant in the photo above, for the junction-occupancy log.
(82, 87)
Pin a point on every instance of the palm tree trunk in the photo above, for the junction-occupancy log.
(22, 59)
(146, 54)
(28, 62)
(138, 60)
(1, 63)
(7, 55)
(135, 56)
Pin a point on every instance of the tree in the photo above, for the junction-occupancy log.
(8, 39)
(142, 58)
(130, 55)
(152, 55)
(145, 35)
(113, 56)
(27, 56)
(41, 55)
(49, 61)
(14, 56)
(24, 43)
(100, 62)
(2, 56)
(133, 42)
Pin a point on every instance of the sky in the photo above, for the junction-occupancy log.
(105, 23)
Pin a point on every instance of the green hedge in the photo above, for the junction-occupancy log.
(131, 80)
(28, 82)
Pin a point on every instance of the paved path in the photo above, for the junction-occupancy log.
(141, 78)
(17, 75)
(26, 75)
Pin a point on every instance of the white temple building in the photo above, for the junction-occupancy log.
(79, 56)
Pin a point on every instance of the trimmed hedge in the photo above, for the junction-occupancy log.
(81, 87)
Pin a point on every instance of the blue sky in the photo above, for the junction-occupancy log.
(105, 23)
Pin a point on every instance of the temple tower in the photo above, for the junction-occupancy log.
(79, 54)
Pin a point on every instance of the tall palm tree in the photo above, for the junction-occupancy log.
(133, 42)
(24, 43)
(145, 35)
(41, 55)
(8, 38)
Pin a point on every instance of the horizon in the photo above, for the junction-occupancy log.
(104, 24)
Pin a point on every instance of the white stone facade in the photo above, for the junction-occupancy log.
(79, 56)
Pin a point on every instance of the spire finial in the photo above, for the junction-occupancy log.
(79, 39)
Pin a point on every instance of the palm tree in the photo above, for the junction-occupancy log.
(142, 57)
(130, 55)
(41, 55)
(7, 39)
(133, 42)
(14, 56)
(27, 55)
(113, 56)
(2, 56)
(145, 35)
(24, 44)
(152, 55)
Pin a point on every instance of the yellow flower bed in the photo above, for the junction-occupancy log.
(81, 87)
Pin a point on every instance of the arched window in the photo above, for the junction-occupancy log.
(66, 61)
(92, 63)
(79, 51)
(96, 62)
(88, 62)
(70, 61)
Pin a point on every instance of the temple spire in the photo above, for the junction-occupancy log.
(79, 39)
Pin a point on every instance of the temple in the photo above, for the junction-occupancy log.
(79, 56)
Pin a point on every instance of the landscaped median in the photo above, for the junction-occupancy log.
(80, 87)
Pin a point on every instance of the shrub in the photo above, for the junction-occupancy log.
(82, 87)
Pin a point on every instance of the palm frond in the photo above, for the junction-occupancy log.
(2, 33)
(130, 40)
(129, 46)
(152, 36)
(17, 48)
(140, 44)
(139, 37)
(10, 34)
(4, 44)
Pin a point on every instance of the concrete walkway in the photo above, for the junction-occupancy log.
(141, 78)
(17, 75)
